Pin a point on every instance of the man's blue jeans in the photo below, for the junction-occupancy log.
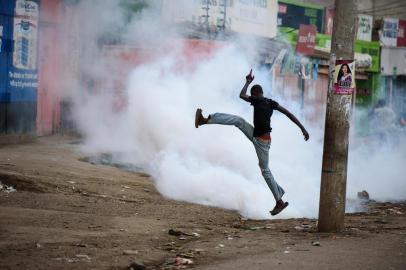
(261, 147)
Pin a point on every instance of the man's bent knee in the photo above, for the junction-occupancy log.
(239, 122)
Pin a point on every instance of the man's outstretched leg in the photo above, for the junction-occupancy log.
(262, 149)
(225, 119)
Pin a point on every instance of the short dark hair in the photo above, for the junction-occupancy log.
(257, 89)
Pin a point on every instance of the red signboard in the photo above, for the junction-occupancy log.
(402, 34)
(306, 39)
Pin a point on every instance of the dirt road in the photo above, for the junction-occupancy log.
(70, 214)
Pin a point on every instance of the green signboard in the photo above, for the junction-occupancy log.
(368, 47)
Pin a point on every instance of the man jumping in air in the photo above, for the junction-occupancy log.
(259, 135)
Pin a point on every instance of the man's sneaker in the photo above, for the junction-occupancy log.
(280, 205)
(199, 119)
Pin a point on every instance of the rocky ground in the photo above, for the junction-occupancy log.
(58, 211)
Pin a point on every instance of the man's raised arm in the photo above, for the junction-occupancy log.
(294, 120)
(248, 79)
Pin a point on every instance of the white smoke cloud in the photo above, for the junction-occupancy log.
(216, 165)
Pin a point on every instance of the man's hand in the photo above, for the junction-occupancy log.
(305, 134)
(249, 78)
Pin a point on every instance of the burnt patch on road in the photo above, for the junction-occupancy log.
(112, 159)
(22, 182)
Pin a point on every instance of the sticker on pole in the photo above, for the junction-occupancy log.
(344, 77)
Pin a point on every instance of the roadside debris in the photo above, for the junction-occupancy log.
(77, 258)
(137, 266)
(182, 261)
(256, 228)
(395, 210)
(181, 233)
(179, 262)
(316, 243)
(130, 252)
(303, 227)
(7, 189)
(363, 195)
(175, 232)
(83, 257)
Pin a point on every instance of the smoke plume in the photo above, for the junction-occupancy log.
(212, 165)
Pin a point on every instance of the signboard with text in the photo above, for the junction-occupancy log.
(389, 33)
(306, 39)
(364, 27)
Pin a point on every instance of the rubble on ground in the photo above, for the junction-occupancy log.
(6, 189)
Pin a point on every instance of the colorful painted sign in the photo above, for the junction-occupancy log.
(306, 39)
(344, 77)
(364, 27)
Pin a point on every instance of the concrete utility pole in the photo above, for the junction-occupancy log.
(335, 151)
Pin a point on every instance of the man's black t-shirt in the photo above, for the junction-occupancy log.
(263, 109)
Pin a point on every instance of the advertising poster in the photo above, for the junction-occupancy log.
(344, 77)
(25, 35)
(23, 73)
